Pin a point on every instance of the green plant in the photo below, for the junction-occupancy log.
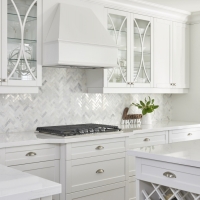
(146, 106)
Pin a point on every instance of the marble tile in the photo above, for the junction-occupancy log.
(62, 99)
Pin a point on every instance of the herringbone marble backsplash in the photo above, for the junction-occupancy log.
(63, 100)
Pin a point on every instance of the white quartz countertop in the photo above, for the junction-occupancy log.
(184, 153)
(30, 138)
(15, 184)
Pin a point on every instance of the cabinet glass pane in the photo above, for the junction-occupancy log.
(22, 39)
(142, 51)
(117, 27)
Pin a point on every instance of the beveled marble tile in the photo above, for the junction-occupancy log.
(62, 99)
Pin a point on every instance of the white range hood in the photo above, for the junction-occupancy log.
(78, 39)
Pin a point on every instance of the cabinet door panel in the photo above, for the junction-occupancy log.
(180, 55)
(21, 43)
(141, 51)
(162, 52)
(119, 29)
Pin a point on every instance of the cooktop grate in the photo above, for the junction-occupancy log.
(80, 129)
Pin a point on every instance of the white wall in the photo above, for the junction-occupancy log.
(187, 107)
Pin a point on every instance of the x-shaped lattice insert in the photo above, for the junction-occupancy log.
(163, 192)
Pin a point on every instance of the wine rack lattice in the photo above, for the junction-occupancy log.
(163, 192)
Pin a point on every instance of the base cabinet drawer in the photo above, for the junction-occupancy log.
(83, 174)
(30, 154)
(95, 148)
(148, 139)
(184, 135)
(132, 188)
(117, 191)
(172, 175)
(48, 170)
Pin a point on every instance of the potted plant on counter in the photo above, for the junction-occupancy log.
(147, 108)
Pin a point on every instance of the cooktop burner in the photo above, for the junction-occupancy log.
(80, 129)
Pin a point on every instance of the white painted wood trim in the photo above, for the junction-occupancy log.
(194, 18)
(146, 8)
(18, 90)
(137, 90)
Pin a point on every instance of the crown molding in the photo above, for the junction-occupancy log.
(194, 18)
(146, 8)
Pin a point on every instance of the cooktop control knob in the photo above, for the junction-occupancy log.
(91, 130)
(103, 129)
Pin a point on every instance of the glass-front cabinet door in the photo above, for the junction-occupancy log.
(118, 26)
(141, 51)
(20, 66)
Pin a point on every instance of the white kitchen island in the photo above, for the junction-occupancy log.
(168, 171)
(17, 185)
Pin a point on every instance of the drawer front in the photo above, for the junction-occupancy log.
(89, 173)
(95, 148)
(132, 188)
(31, 154)
(181, 177)
(184, 135)
(48, 170)
(148, 139)
(110, 192)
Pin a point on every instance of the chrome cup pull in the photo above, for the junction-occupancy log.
(31, 154)
(169, 175)
(100, 171)
(189, 134)
(99, 148)
(146, 140)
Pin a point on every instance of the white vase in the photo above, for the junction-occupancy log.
(147, 119)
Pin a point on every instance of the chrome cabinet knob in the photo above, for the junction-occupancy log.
(169, 175)
(189, 134)
(2, 80)
(100, 171)
(31, 154)
(173, 84)
(99, 148)
(146, 140)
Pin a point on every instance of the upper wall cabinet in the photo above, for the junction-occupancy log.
(171, 54)
(133, 36)
(180, 55)
(152, 56)
(21, 46)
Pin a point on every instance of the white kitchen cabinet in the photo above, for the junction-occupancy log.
(117, 191)
(162, 53)
(184, 135)
(96, 171)
(95, 148)
(133, 35)
(153, 56)
(21, 28)
(141, 51)
(48, 170)
(31, 154)
(180, 55)
(119, 29)
(171, 54)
